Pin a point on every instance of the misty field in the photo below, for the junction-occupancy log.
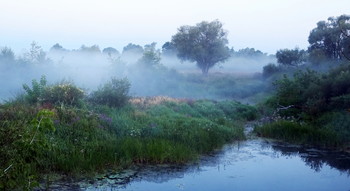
(69, 114)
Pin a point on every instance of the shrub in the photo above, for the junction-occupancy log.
(337, 121)
(63, 93)
(298, 133)
(23, 146)
(114, 93)
(270, 70)
(37, 92)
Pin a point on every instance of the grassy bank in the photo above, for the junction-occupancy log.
(57, 129)
(300, 133)
(310, 108)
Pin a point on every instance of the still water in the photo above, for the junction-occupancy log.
(255, 164)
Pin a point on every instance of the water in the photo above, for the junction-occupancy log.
(256, 164)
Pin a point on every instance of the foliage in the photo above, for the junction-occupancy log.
(270, 70)
(36, 55)
(65, 93)
(330, 39)
(57, 47)
(312, 93)
(24, 146)
(110, 51)
(92, 49)
(76, 141)
(114, 93)
(132, 49)
(36, 94)
(169, 49)
(7, 56)
(204, 44)
(337, 121)
(321, 101)
(299, 133)
(290, 57)
(150, 57)
(247, 53)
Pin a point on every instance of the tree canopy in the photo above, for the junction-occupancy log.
(133, 48)
(205, 43)
(290, 57)
(151, 56)
(331, 39)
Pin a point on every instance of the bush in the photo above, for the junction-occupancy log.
(311, 94)
(63, 93)
(299, 133)
(37, 92)
(114, 93)
(270, 70)
(337, 121)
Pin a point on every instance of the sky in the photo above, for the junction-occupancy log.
(266, 25)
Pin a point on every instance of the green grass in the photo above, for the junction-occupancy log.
(295, 132)
(81, 141)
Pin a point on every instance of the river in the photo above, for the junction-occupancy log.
(254, 164)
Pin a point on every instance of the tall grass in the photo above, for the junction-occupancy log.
(296, 132)
(93, 138)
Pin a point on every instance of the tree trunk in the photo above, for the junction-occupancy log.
(205, 69)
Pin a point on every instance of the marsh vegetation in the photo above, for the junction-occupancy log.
(82, 112)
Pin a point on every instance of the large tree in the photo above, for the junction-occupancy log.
(330, 39)
(205, 43)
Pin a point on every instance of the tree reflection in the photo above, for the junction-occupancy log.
(316, 158)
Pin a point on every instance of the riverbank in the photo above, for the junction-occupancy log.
(234, 166)
(41, 140)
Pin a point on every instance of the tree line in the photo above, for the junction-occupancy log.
(206, 44)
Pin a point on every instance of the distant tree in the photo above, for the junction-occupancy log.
(7, 56)
(57, 47)
(204, 44)
(248, 52)
(133, 48)
(270, 69)
(331, 38)
(290, 57)
(92, 49)
(151, 56)
(169, 49)
(110, 51)
(114, 93)
(36, 54)
(344, 25)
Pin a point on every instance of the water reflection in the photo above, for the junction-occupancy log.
(256, 164)
(316, 158)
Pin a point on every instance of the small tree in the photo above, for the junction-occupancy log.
(36, 55)
(90, 49)
(114, 93)
(110, 51)
(7, 55)
(132, 49)
(151, 56)
(290, 57)
(204, 44)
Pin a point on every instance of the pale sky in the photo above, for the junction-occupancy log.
(267, 25)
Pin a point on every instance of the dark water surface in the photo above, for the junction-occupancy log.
(254, 164)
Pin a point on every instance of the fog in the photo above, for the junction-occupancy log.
(89, 69)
